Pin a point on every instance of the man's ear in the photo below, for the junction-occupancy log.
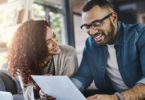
(114, 17)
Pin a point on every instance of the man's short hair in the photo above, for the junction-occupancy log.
(102, 3)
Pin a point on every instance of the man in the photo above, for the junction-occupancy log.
(114, 55)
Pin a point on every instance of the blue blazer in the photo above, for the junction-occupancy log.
(130, 53)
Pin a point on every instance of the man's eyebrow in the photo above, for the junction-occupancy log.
(97, 20)
(87, 25)
(100, 20)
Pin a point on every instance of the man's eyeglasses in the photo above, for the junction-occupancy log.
(94, 24)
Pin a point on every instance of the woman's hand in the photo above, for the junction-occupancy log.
(44, 96)
(36, 90)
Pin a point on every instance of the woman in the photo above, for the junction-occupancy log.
(35, 51)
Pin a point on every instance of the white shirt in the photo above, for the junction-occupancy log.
(113, 70)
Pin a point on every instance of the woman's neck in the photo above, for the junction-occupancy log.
(48, 59)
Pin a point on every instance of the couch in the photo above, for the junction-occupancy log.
(10, 85)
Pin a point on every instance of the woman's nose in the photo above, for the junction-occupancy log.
(54, 42)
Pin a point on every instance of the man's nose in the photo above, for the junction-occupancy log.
(92, 32)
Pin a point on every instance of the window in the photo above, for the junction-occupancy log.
(8, 14)
(51, 12)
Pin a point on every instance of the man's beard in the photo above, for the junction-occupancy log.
(109, 36)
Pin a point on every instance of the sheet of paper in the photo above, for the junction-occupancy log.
(59, 87)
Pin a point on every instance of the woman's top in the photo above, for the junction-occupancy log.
(65, 63)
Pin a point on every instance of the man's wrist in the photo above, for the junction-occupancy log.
(119, 96)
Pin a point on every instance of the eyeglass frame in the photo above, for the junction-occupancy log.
(96, 21)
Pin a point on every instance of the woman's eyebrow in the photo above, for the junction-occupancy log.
(54, 35)
(48, 39)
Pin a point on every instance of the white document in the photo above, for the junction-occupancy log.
(59, 87)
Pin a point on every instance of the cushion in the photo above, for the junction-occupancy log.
(7, 83)
(2, 85)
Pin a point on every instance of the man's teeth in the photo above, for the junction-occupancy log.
(99, 36)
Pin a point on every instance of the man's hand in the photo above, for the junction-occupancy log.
(102, 97)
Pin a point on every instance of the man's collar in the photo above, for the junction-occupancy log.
(119, 35)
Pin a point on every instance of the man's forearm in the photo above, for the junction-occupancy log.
(135, 93)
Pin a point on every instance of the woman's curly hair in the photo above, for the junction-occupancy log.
(28, 49)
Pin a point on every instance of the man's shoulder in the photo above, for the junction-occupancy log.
(127, 31)
(138, 27)
(135, 32)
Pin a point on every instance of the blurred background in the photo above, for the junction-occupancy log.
(64, 17)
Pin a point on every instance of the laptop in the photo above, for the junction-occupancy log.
(6, 95)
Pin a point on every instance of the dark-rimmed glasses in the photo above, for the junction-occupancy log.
(94, 24)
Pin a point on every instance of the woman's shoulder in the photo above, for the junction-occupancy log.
(67, 49)
(66, 52)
